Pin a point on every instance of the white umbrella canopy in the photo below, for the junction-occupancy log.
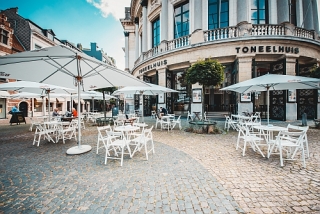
(66, 67)
(274, 82)
(38, 88)
(144, 90)
(4, 94)
(94, 95)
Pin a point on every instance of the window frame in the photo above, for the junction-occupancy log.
(156, 38)
(214, 25)
(181, 14)
(4, 35)
(259, 10)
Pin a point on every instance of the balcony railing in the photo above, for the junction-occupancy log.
(242, 29)
(267, 30)
(220, 33)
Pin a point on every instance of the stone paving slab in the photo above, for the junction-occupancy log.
(45, 180)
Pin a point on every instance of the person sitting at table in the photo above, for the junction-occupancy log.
(74, 112)
(55, 112)
(163, 112)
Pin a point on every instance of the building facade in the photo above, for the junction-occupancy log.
(249, 37)
(21, 34)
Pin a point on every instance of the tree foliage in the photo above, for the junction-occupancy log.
(208, 72)
(315, 72)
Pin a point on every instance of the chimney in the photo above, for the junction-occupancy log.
(127, 13)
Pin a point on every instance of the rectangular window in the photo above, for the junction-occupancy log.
(4, 37)
(218, 14)
(181, 20)
(156, 33)
(258, 11)
(37, 47)
(293, 14)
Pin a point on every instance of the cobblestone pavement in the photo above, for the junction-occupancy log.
(45, 180)
(189, 173)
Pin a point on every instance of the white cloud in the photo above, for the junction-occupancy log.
(111, 7)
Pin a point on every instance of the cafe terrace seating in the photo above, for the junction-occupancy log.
(142, 140)
(291, 143)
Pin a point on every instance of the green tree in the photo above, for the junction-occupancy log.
(315, 72)
(206, 72)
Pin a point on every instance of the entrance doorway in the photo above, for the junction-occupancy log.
(2, 108)
(23, 107)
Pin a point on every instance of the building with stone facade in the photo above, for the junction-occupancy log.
(163, 38)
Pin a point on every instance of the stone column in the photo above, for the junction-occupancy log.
(299, 12)
(273, 19)
(136, 21)
(162, 76)
(244, 73)
(244, 11)
(291, 108)
(233, 12)
(126, 34)
(144, 4)
(291, 64)
(197, 15)
(162, 82)
(283, 11)
(315, 12)
(164, 21)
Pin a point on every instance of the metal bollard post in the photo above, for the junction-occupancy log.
(304, 119)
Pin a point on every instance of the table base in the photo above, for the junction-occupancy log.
(76, 150)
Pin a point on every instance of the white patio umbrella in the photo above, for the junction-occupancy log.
(22, 85)
(271, 82)
(4, 94)
(94, 95)
(144, 90)
(66, 67)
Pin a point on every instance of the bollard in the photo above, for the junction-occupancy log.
(304, 119)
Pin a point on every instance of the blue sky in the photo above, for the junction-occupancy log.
(79, 21)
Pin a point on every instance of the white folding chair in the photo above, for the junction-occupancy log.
(103, 133)
(305, 137)
(190, 116)
(286, 141)
(158, 120)
(230, 123)
(41, 131)
(117, 146)
(175, 122)
(245, 136)
(165, 123)
(34, 122)
(66, 132)
(142, 140)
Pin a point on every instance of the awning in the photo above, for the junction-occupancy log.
(52, 100)
(4, 94)
(38, 100)
(76, 101)
(60, 99)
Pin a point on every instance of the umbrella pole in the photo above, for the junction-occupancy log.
(268, 103)
(49, 106)
(79, 115)
(104, 108)
(92, 104)
(141, 106)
